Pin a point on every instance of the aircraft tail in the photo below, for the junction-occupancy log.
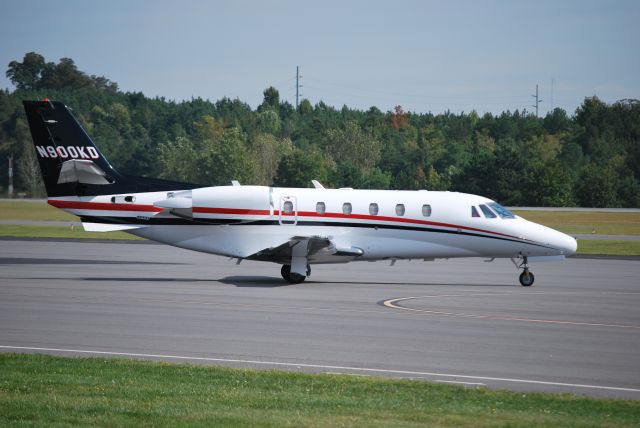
(71, 164)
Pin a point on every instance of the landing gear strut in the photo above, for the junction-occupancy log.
(526, 277)
(292, 277)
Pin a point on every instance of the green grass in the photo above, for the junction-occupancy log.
(571, 222)
(608, 248)
(38, 390)
(32, 210)
(37, 231)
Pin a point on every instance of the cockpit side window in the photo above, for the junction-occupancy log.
(487, 212)
(502, 211)
(474, 212)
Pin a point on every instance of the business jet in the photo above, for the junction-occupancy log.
(294, 227)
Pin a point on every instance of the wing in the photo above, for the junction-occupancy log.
(316, 249)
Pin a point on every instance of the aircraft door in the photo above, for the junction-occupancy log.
(288, 212)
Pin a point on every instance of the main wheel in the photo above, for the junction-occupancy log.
(526, 279)
(291, 277)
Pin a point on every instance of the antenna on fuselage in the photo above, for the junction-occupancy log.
(317, 184)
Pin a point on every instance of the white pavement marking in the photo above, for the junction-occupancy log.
(320, 366)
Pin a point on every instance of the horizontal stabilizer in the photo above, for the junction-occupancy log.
(82, 171)
(102, 227)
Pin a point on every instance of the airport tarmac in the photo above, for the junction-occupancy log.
(456, 321)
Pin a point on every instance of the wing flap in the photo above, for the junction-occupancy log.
(317, 249)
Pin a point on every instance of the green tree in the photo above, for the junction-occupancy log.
(267, 151)
(352, 146)
(225, 159)
(271, 99)
(26, 74)
(268, 121)
(178, 160)
(299, 167)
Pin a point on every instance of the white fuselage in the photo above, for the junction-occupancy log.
(240, 221)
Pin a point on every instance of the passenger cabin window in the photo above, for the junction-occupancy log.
(321, 208)
(288, 207)
(487, 212)
(400, 209)
(346, 208)
(502, 211)
(426, 210)
(373, 209)
(474, 212)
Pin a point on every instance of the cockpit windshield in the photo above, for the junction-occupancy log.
(502, 211)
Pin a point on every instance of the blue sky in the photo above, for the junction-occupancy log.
(423, 55)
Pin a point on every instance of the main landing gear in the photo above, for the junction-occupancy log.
(292, 277)
(526, 277)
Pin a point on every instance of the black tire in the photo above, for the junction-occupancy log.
(291, 277)
(527, 279)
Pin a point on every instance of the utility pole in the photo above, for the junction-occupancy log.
(298, 85)
(552, 82)
(10, 190)
(538, 100)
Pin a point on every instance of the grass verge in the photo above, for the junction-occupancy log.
(45, 390)
(33, 210)
(608, 248)
(603, 223)
(37, 231)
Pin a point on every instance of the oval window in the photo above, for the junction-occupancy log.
(426, 210)
(346, 208)
(400, 209)
(288, 207)
(321, 208)
(373, 209)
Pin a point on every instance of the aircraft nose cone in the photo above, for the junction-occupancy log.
(568, 244)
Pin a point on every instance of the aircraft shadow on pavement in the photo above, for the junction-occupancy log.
(136, 279)
(255, 281)
(271, 282)
(422, 284)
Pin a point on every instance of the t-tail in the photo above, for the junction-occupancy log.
(71, 164)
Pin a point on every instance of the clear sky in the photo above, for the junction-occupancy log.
(423, 55)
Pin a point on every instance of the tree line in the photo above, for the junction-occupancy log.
(590, 158)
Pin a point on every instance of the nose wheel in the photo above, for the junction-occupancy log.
(526, 277)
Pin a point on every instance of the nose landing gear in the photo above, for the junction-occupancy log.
(526, 277)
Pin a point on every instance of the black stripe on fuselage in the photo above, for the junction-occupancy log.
(236, 222)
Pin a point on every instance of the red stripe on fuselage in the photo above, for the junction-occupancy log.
(102, 206)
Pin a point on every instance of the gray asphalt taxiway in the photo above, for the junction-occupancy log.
(456, 321)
